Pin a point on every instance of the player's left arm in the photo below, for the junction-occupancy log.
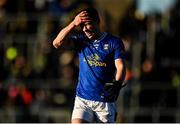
(120, 70)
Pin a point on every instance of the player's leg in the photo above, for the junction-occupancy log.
(77, 120)
(82, 113)
(105, 112)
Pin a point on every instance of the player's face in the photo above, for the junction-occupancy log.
(90, 29)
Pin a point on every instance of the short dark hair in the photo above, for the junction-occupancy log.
(92, 13)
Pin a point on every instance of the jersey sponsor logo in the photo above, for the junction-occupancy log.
(93, 60)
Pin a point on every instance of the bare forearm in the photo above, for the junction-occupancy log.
(120, 75)
(63, 34)
(121, 71)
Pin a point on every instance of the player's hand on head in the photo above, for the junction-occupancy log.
(82, 17)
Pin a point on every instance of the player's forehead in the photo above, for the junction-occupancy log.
(89, 23)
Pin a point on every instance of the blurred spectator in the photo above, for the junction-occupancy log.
(20, 69)
(38, 104)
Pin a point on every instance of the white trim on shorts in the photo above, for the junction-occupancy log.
(94, 111)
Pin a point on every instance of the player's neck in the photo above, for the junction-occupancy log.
(98, 35)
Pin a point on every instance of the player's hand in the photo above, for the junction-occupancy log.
(81, 18)
(113, 89)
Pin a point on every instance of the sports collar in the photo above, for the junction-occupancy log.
(101, 37)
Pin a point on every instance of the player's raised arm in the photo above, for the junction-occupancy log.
(64, 33)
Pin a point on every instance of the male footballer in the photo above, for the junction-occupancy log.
(101, 68)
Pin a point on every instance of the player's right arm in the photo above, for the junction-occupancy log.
(64, 33)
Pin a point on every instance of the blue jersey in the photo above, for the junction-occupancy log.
(97, 65)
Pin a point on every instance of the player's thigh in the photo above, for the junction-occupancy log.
(81, 111)
(106, 112)
(77, 120)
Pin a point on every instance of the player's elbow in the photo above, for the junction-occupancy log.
(55, 44)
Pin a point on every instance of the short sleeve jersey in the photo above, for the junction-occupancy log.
(96, 64)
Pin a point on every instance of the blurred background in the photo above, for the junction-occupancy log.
(37, 81)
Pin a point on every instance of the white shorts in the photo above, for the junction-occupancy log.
(94, 111)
